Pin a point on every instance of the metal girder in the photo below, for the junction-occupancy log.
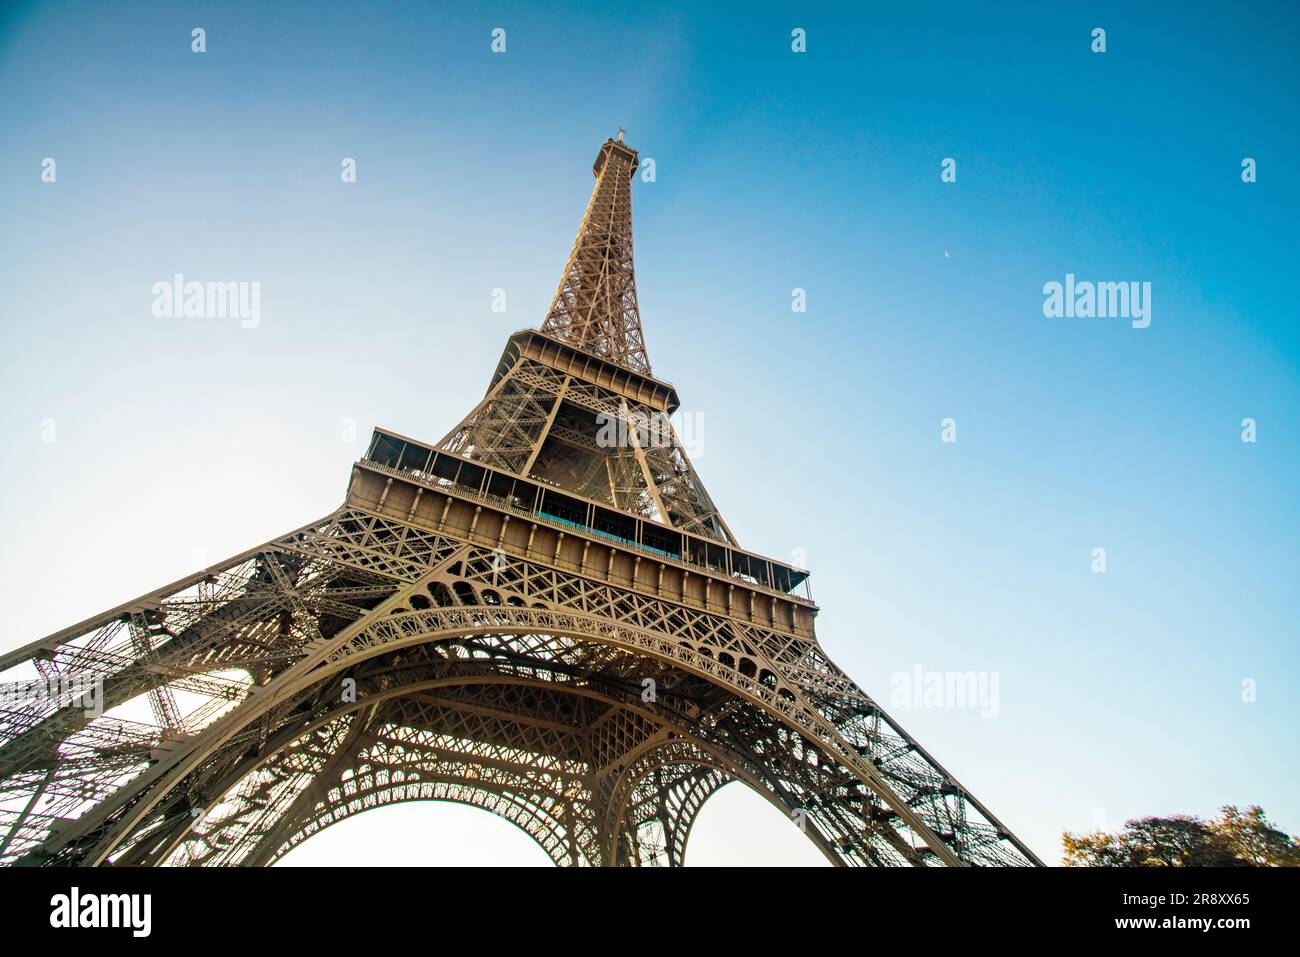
(595, 306)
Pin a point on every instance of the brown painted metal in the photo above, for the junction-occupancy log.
(595, 306)
(525, 617)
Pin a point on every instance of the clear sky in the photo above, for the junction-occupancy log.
(177, 442)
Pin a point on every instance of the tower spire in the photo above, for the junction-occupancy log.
(595, 306)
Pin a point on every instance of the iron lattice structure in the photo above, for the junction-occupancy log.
(543, 615)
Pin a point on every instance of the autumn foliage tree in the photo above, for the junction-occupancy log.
(1235, 839)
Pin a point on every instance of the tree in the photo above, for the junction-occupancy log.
(1236, 839)
(1254, 840)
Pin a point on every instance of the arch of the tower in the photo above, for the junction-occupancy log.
(397, 765)
(654, 801)
(657, 800)
(652, 830)
(430, 680)
(547, 834)
(503, 720)
(591, 772)
(562, 680)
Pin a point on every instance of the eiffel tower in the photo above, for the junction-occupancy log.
(543, 615)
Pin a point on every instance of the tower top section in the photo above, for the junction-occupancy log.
(595, 307)
(628, 154)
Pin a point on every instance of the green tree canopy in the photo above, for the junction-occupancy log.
(1235, 839)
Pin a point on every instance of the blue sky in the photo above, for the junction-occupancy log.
(179, 442)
